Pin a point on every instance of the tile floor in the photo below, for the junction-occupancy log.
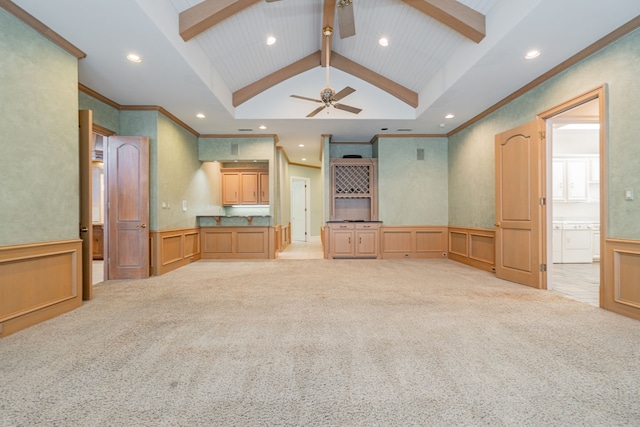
(580, 282)
(311, 249)
(97, 271)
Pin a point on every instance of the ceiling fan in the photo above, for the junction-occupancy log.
(346, 20)
(328, 96)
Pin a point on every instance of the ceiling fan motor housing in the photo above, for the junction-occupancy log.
(326, 95)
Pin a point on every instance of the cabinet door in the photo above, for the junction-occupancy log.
(342, 243)
(249, 188)
(557, 189)
(577, 176)
(230, 188)
(367, 243)
(264, 188)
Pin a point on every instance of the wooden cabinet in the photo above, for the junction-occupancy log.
(354, 240)
(251, 242)
(353, 190)
(245, 186)
(230, 188)
(576, 179)
(263, 181)
(98, 241)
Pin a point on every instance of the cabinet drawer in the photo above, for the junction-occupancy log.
(367, 226)
(342, 226)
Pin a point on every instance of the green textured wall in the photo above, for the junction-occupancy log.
(411, 191)
(471, 152)
(337, 151)
(39, 190)
(103, 115)
(181, 176)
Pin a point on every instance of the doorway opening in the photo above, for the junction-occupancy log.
(300, 209)
(574, 149)
(98, 211)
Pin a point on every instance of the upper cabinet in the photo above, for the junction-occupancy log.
(245, 186)
(574, 179)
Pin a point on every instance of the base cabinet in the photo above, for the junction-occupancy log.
(354, 240)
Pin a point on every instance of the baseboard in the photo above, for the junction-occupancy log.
(39, 281)
(473, 246)
(172, 249)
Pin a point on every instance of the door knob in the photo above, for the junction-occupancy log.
(143, 226)
(497, 224)
(84, 229)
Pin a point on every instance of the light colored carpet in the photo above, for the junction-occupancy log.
(323, 343)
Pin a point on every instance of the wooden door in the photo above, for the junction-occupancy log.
(249, 188)
(519, 213)
(230, 188)
(128, 203)
(299, 209)
(85, 118)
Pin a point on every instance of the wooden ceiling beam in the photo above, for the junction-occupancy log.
(348, 66)
(201, 17)
(305, 64)
(454, 15)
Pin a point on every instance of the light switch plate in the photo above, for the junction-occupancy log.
(184, 205)
(628, 194)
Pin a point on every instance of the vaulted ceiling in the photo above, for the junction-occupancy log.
(211, 57)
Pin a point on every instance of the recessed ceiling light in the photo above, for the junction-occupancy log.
(442, 125)
(271, 40)
(263, 127)
(300, 145)
(384, 42)
(532, 54)
(449, 116)
(134, 58)
(304, 160)
(200, 116)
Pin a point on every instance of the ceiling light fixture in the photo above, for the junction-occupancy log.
(384, 42)
(200, 116)
(304, 160)
(134, 58)
(300, 145)
(263, 127)
(532, 54)
(271, 40)
(449, 116)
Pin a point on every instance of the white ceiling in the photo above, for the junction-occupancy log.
(451, 73)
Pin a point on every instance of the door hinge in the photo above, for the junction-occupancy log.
(543, 201)
(542, 135)
(543, 268)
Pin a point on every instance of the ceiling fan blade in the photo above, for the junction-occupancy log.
(344, 92)
(305, 98)
(348, 108)
(316, 111)
(346, 21)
